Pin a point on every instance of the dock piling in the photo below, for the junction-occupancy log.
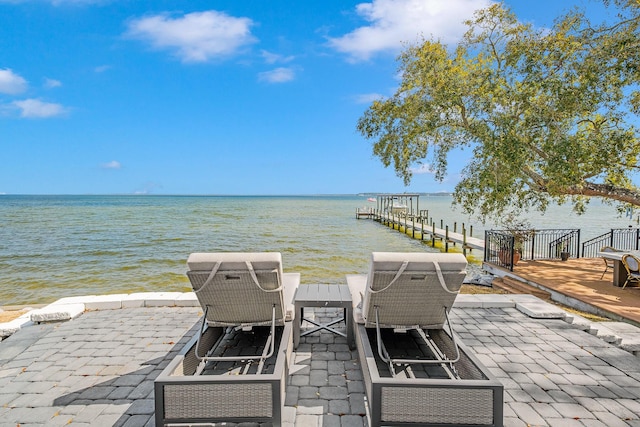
(446, 239)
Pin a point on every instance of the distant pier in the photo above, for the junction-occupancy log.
(365, 213)
(402, 212)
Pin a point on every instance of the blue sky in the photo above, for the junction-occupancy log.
(210, 97)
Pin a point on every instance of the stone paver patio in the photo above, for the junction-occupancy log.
(98, 369)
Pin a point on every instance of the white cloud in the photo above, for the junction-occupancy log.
(195, 37)
(272, 58)
(422, 169)
(367, 98)
(102, 68)
(148, 188)
(394, 22)
(114, 164)
(34, 108)
(279, 75)
(11, 83)
(51, 83)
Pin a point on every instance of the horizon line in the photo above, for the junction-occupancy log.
(360, 194)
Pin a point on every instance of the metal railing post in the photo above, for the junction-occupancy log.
(533, 245)
(487, 245)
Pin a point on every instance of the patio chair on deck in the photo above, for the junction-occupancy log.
(609, 263)
(416, 371)
(235, 368)
(632, 265)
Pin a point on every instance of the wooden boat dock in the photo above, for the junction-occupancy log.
(402, 212)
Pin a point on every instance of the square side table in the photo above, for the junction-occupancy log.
(323, 295)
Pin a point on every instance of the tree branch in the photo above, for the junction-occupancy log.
(607, 191)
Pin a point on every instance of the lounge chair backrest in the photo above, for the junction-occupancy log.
(238, 288)
(412, 289)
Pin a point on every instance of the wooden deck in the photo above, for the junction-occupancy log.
(579, 279)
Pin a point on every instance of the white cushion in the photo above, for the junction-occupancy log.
(418, 261)
(200, 261)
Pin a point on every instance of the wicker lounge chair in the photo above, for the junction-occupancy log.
(235, 369)
(416, 371)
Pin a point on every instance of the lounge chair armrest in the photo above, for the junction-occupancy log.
(290, 282)
(357, 284)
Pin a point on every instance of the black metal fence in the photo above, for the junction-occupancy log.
(505, 249)
(627, 239)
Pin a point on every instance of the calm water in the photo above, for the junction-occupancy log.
(56, 246)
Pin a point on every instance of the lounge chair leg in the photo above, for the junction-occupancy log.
(270, 343)
(441, 358)
(453, 338)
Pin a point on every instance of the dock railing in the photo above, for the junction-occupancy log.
(627, 239)
(502, 249)
(542, 244)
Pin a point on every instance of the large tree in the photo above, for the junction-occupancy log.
(547, 114)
